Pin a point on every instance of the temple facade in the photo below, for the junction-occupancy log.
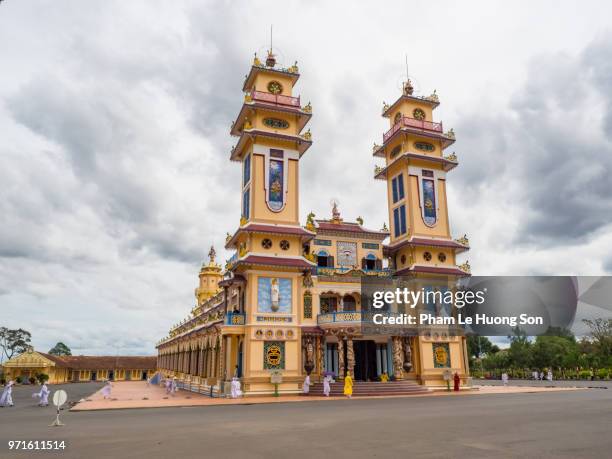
(289, 301)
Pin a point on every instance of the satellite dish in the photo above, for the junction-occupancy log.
(59, 397)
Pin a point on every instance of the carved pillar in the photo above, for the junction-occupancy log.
(320, 355)
(398, 358)
(350, 356)
(221, 362)
(407, 355)
(340, 357)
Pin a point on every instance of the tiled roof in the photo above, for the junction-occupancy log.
(86, 362)
(432, 270)
(277, 261)
(270, 229)
(328, 225)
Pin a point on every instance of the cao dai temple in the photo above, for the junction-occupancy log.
(288, 302)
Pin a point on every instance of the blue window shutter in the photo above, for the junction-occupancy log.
(400, 185)
(394, 186)
(396, 223)
(403, 218)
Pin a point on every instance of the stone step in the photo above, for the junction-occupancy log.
(370, 388)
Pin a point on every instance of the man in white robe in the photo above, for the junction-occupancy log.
(306, 386)
(235, 388)
(43, 395)
(326, 385)
(549, 376)
(173, 386)
(168, 385)
(106, 390)
(505, 378)
(6, 399)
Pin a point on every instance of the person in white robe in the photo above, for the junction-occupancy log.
(173, 386)
(306, 386)
(43, 395)
(235, 388)
(107, 389)
(549, 376)
(505, 378)
(326, 384)
(6, 399)
(168, 385)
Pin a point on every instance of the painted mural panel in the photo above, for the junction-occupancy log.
(429, 202)
(274, 295)
(275, 181)
(347, 253)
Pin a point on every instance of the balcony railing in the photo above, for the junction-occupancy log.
(324, 271)
(278, 99)
(345, 317)
(235, 318)
(413, 123)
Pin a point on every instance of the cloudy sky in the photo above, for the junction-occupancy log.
(114, 145)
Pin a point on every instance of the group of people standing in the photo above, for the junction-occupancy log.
(540, 375)
(327, 380)
(6, 399)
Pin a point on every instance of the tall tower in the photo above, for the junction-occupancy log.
(210, 276)
(265, 276)
(415, 171)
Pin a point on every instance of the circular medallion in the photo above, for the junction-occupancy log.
(275, 87)
(284, 244)
(266, 243)
(418, 114)
(427, 256)
(274, 355)
(442, 257)
(397, 118)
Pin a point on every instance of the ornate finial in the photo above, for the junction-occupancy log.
(384, 227)
(360, 220)
(271, 59)
(307, 108)
(465, 267)
(293, 68)
(247, 124)
(463, 240)
(378, 169)
(242, 250)
(450, 134)
(335, 212)
(375, 147)
(243, 221)
(212, 253)
(433, 97)
(256, 61)
(247, 97)
(310, 221)
(307, 135)
(452, 157)
(228, 236)
(408, 88)
(385, 106)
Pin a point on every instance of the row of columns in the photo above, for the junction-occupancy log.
(204, 362)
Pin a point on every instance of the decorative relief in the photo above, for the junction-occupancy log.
(275, 123)
(424, 146)
(307, 305)
(441, 355)
(274, 355)
(418, 114)
(347, 253)
(275, 87)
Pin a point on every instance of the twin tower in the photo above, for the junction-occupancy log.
(272, 137)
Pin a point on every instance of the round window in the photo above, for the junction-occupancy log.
(427, 256)
(284, 244)
(403, 259)
(275, 87)
(397, 118)
(266, 243)
(442, 257)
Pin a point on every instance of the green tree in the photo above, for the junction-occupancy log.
(520, 349)
(60, 349)
(14, 342)
(601, 335)
(554, 352)
(480, 346)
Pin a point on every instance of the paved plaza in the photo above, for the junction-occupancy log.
(571, 424)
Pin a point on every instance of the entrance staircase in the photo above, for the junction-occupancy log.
(372, 388)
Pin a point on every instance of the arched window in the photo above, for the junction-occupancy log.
(349, 303)
(370, 262)
(324, 260)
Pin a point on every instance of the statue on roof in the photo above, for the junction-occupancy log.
(212, 254)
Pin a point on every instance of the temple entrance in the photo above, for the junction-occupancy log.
(365, 360)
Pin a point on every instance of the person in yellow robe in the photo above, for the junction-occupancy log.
(384, 377)
(348, 385)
